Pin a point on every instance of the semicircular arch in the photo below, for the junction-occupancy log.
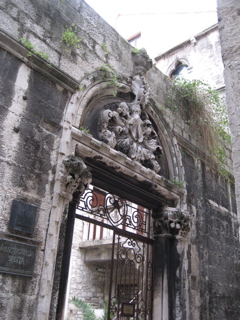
(92, 101)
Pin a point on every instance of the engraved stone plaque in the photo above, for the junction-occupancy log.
(17, 258)
(22, 217)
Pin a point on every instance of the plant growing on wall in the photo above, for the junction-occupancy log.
(135, 50)
(179, 184)
(28, 44)
(83, 129)
(204, 111)
(202, 106)
(105, 47)
(70, 38)
(110, 74)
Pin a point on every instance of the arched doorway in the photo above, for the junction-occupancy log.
(124, 145)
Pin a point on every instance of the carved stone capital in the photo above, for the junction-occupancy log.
(172, 221)
(74, 176)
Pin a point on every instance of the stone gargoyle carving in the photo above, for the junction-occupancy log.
(74, 176)
(127, 128)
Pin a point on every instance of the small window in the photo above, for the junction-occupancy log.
(180, 70)
(135, 40)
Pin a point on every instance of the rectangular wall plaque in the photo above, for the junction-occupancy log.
(17, 258)
(128, 309)
(22, 217)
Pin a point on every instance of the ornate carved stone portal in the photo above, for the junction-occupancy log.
(126, 127)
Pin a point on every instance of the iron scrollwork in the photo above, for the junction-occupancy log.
(131, 252)
(133, 269)
(115, 210)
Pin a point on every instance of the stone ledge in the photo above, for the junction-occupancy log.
(159, 183)
(95, 243)
(37, 63)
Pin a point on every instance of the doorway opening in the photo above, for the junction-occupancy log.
(111, 258)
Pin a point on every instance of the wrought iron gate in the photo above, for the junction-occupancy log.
(130, 283)
(131, 278)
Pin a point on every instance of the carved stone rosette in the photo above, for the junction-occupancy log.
(172, 221)
(74, 176)
(126, 127)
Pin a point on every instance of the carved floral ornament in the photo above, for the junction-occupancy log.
(126, 127)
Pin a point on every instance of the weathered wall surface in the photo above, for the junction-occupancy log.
(38, 108)
(215, 231)
(31, 112)
(229, 24)
(32, 107)
(229, 21)
(202, 55)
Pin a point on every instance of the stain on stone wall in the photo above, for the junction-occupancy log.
(45, 103)
(8, 73)
(217, 242)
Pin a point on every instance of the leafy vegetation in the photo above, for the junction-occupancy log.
(70, 38)
(135, 50)
(88, 310)
(202, 106)
(83, 129)
(178, 183)
(110, 74)
(28, 44)
(105, 47)
(204, 111)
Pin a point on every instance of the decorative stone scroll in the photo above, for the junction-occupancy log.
(126, 127)
(173, 221)
(74, 176)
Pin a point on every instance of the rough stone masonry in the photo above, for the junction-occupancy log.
(50, 89)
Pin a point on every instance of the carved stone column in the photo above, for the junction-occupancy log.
(75, 179)
(169, 224)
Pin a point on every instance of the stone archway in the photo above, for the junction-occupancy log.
(91, 123)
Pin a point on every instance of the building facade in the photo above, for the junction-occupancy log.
(197, 58)
(81, 112)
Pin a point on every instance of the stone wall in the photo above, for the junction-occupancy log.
(229, 20)
(43, 102)
(31, 112)
(229, 23)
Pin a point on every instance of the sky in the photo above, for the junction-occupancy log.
(109, 9)
(163, 23)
